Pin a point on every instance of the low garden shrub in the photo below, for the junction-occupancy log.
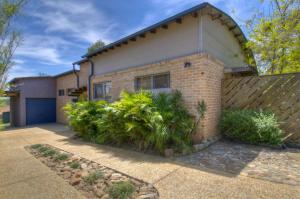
(82, 116)
(250, 126)
(149, 121)
(49, 152)
(61, 157)
(92, 177)
(36, 146)
(75, 165)
(121, 190)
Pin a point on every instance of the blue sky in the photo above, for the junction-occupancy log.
(57, 33)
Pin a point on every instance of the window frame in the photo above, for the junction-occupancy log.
(152, 81)
(63, 92)
(105, 97)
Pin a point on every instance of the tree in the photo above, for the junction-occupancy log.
(10, 39)
(275, 38)
(95, 46)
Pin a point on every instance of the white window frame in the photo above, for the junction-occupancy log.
(152, 83)
(104, 89)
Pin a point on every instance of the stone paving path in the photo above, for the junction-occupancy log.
(281, 166)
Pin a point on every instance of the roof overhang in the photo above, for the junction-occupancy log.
(66, 73)
(80, 61)
(202, 9)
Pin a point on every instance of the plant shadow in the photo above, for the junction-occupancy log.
(222, 158)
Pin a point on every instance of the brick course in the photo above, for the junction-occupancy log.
(201, 81)
(63, 82)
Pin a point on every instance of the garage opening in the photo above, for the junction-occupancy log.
(40, 110)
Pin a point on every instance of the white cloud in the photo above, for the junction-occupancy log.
(78, 19)
(21, 71)
(47, 49)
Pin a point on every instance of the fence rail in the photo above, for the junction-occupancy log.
(278, 93)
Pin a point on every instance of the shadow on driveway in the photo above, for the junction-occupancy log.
(222, 158)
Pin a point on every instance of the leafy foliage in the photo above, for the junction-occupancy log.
(83, 116)
(95, 46)
(49, 152)
(149, 121)
(92, 177)
(43, 149)
(275, 37)
(121, 190)
(74, 165)
(36, 146)
(61, 157)
(10, 39)
(250, 126)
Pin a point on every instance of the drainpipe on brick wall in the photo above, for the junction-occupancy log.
(90, 77)
(77, 76)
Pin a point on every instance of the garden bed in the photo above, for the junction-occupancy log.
(90, 178)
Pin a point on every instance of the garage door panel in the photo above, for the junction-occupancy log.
(40, 110)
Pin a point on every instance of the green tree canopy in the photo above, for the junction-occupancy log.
(95, 46)
(10, 38)
(275, 37)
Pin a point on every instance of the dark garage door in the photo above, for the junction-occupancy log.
(40, 110)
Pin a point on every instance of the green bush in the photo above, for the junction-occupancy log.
(82, 116)
(42, 149)
(61, 157)
(92, 177)
(121, 190)
(75, 165)
(250, 126)
(49, 152)
(36, 146)
(149, 121)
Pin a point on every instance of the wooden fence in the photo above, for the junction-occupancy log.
(278, 93)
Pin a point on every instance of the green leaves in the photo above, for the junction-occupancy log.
(10, 39)
(146, 120)
(254, 127)
(275, 38)
(95, 46)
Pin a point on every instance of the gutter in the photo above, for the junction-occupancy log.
(90, 77)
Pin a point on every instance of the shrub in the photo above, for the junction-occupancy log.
(149, 121)
(132, 119)
(177, 124)
(92, 177)
(49, 152)
(61, 157)
(74, 165)
(36, 146)
(250, 126)
(121, 190)
(82, 116)
(43, 149)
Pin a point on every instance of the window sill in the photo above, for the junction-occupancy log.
(159, 90)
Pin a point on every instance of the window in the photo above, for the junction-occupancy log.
(102, 91)
(61, 92)
(151, 82)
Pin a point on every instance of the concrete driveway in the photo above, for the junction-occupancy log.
(22, 176)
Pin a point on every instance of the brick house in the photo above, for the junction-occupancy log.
(190, 52)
